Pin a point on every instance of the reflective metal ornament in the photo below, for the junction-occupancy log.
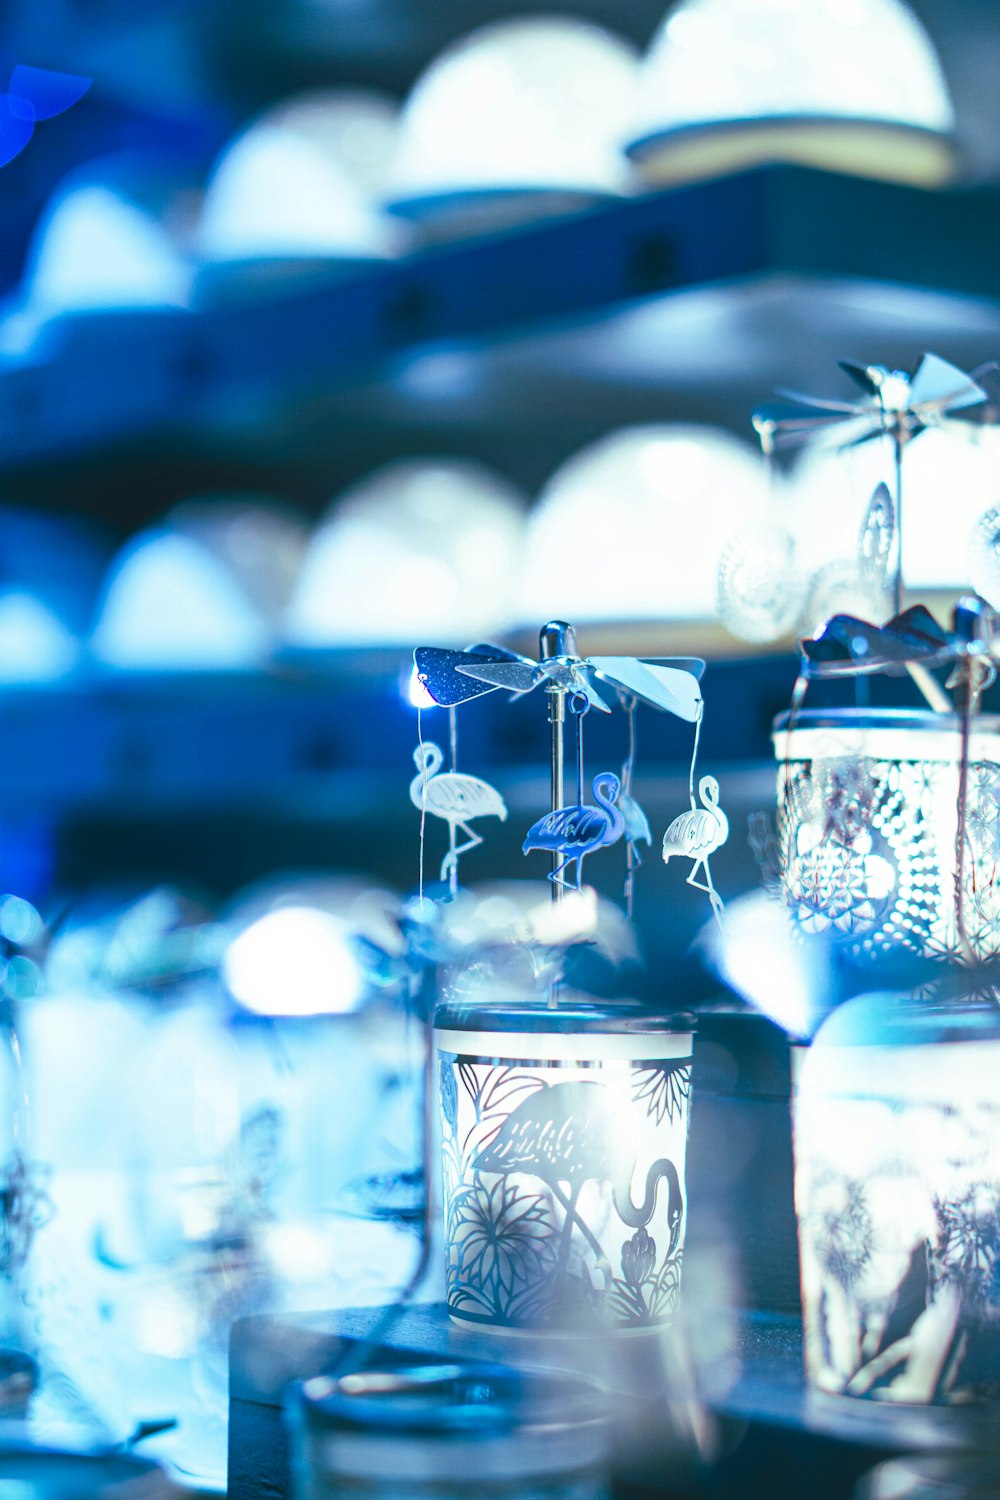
(875, 539)
(455, 798)
(579, 830)
(760, 590)
(695, 835)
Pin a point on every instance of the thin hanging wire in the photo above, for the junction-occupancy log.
(628, 702)
(694, 756)
(452, 831)
(423, 811)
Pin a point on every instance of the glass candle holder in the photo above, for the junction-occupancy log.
(868, 831)
(897, 1193)
(476, 1431)
(30, 1472)
(564, 1134)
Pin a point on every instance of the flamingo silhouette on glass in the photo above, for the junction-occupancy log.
(567, 1134)
(696, 834)
(576, 831)
(455, 798)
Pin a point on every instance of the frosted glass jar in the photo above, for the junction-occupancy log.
(451, 1432)
(564, 1135)
(897, 1195)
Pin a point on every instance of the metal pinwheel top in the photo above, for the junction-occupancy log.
(894, 402)
(666, 683)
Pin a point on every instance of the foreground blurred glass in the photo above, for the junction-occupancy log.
(205, 1164)
(477, 1431)
(28, 1472)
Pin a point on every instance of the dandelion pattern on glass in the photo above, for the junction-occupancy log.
(900, 1252)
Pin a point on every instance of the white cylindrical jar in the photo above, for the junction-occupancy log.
(564, 1134)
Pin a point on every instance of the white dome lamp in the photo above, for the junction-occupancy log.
(202, 591)
(629, 528)
(416, 549)
(298, 190)
(114, 235)
(521, 118)
(846, 85)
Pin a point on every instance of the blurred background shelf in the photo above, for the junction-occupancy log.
(694, 301)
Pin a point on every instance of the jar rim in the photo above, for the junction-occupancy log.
(921, 720)
(461, 1400)
(574, 1017)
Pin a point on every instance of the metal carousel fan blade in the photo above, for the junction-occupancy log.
(938, 383)
(672, 689)
(847, 644)
(437, 671)
(866, 376)
(846, 408)
(515, 676)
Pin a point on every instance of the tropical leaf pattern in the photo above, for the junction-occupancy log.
(531, 1242)
(665, 1087)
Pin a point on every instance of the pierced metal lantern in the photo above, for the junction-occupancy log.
(564, 1134)
(869, 821)
(897, 1193)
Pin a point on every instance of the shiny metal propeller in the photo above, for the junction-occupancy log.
(670, 684)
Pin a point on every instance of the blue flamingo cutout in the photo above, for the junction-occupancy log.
(574, 832)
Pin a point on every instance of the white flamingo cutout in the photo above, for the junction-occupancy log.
(697, 834)
(455, 798)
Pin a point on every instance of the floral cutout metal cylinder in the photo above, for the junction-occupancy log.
(880, 845)
(564, 1135)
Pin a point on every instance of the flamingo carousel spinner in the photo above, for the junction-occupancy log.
(564, 1121)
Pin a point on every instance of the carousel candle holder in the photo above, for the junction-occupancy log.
(564, 1122)
(889, 820)
(563, 1142)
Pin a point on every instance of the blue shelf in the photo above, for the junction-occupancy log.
(103, 379)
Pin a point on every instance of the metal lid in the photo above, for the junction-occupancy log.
(893, 1020)
(575, 1016)
(452, 1402)
(922, 720)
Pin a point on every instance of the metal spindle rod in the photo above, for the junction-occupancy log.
(557, 638)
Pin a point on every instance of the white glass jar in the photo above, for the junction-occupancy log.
(564, 1134)
(897, 1194)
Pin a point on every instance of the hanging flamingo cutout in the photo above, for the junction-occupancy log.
(574, 832)
(455, 798)
(579, 830)
(895, 403)
(696, 835)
